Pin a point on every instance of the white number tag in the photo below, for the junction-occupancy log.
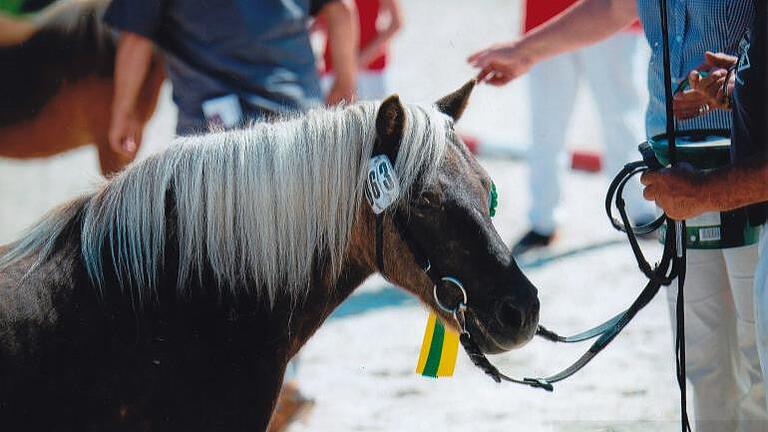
(383, 186)
(223, 112)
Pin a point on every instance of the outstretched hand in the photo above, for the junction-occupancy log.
(125, 133)
(502, 63)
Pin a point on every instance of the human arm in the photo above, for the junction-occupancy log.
(684, 193)
(583, 24)
(132, 63)
(340, 17)
(710, 92)
(138, 21)
(376, 47)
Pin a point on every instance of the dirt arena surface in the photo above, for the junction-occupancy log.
(359, 367)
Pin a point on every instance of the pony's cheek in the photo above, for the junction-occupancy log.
(405, 272)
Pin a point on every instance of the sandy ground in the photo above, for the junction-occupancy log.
(359, 368)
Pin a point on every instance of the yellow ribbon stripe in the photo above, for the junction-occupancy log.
(426, 343)
(438, 350)
(450, 352)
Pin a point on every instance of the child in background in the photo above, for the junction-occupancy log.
(379, 21)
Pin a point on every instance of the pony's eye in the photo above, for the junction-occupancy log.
(493, 200)
(427, 200)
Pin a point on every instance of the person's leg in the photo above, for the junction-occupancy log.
(553, 86)
(709, 329)
(761, 304)
(753, 412)
(611, 71)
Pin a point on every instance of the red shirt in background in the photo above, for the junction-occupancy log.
(368, 13)
(537, 12)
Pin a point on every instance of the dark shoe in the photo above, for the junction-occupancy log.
(532, 240)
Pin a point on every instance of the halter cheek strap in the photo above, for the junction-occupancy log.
(424, 263)
(380, 242)
(382, 190)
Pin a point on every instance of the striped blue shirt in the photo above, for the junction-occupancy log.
(695, 26)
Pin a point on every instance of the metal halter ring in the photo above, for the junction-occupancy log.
(455, 282)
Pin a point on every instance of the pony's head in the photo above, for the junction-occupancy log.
(445, 221)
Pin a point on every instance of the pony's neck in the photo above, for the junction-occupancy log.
(327, 293)
(320, 302)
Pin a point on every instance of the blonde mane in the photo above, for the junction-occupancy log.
(257, 206)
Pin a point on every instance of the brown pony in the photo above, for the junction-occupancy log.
(172, 298)
(56, 83)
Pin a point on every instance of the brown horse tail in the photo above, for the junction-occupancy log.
(42, 238)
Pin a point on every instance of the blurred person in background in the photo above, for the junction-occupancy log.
(608, 70)
(230, 62)
(722, 358)
(379, 22)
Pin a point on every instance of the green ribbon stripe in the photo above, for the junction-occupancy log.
(435, 351)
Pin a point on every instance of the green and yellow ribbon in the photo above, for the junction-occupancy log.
(438, 350)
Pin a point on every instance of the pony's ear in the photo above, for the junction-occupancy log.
(390, 123)
(454, 104)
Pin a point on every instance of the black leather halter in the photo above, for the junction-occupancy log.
(458, 311)
(605, 333)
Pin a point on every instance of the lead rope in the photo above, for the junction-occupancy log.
(661, 274)
(606, 331)
(678, 231)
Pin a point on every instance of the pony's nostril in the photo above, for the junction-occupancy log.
(510, 315)
(536, 307)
